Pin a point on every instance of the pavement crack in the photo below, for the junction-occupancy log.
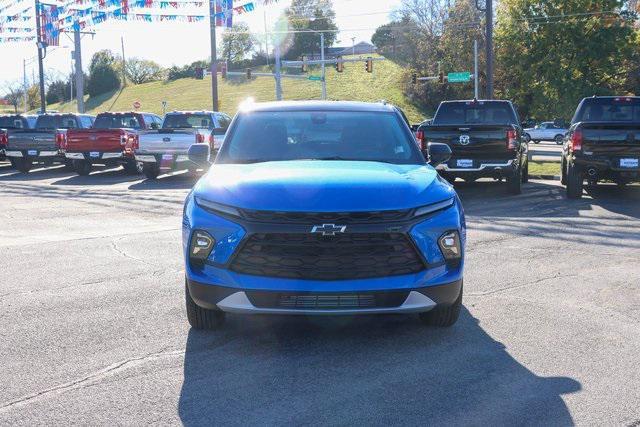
(515, 287)
(88, 380)
(116, 248)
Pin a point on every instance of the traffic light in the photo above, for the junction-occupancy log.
(369, 67)
(305, 68)
(248, 73)
(339, 64)
(414, 78)
(441, 76)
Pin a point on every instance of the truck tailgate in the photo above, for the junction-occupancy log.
(103, 140)
(479, 141)
(33, 139)
(617, 139)
(177, 141)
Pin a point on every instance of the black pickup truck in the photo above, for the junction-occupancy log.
(485, 138)
(45, 142)
(603, 143)
(9, 123)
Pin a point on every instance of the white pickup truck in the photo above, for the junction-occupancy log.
(166, 149)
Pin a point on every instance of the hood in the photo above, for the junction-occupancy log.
(323, 186)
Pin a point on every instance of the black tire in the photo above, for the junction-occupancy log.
(201, 318)
(514, 182)
(525, 173)
(131, 167)
(13, 162)
(23, 164)
(536, 141)
(558, 139)
(68, 166)
(563, 172)
(82, 167)
(527, 137)
(151, 170)
(575, 182)
(443, 316)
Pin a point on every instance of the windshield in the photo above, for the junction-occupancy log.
(182, 121)
(12, 122)
(116, 121)
(608, 110)
(320, 135)
(56, 122)
(474, 112)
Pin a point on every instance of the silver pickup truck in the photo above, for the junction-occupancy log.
(166, 149)
(44, 143)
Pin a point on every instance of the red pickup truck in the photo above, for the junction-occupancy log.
(112, 140)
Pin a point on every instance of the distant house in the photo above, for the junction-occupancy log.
(362, 48)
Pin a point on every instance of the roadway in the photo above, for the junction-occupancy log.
(93, 327)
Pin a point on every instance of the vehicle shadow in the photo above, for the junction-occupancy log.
(361, 371)
(177, 181)
(100, 175)
(39, 172)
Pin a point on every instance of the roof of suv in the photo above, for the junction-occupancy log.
(318, 105)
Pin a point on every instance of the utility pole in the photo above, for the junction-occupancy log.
(475, 69)
(41, 53)
(324, 80)
(124, 64)
(489, 30)
(77, 58)
(266, 35)
(278, 73)
(24, 84)
(214, 55)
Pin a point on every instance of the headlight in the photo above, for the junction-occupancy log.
(450, 246)
(201, 245)
(435, 207)
(216, 207)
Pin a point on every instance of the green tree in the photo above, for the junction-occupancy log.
(237, 43)
(550, 54)
(307, 16)
(140, 71)
(103, 73)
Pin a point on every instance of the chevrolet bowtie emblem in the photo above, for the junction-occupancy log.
(328, 229)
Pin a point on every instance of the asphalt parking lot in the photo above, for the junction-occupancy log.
(93, 327)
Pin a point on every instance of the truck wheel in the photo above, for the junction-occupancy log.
(131, 167)
(443, 316)
(575, 182)
(13, 162)
(201, 318)
(563, 172)
(536, 141)
(525, 173)
(558, 139)
(527, 137)
(514, 181)
(23, 164)
(68, 166)
(82, 167)
(151, 170)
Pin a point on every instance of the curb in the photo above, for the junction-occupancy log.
(547, 177)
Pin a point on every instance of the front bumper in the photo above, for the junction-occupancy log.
(232, 300)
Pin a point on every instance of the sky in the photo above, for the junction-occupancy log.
(177, 43)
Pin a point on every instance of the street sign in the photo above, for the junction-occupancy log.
(459, 77)
(315, 78)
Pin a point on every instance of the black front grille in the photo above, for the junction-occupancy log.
(315, 257)
(327, 301)
(326, 217)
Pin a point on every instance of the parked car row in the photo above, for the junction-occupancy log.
(140, 142)
(487, 140)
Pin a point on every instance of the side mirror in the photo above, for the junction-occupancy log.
(438, 153)
(199, 154)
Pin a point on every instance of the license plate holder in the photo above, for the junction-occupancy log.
(464, 163)
(167, 157)
(94, 154)
(32, 152)
(629, 163)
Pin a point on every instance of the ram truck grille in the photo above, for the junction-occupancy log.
(315, 257)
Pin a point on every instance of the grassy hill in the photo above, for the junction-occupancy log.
(189, 94)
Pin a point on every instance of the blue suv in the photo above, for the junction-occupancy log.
(322, 208)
